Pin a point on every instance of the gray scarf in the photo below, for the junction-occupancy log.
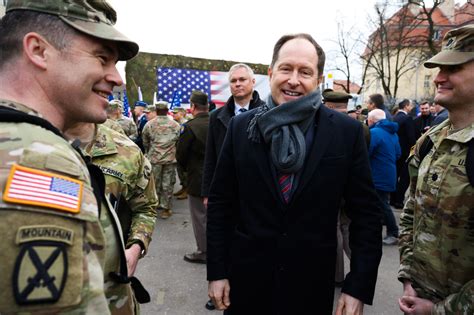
(284, 126)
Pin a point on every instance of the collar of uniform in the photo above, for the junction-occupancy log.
(19, 107)
(441, 132)
(103, 143)
(202, 114)
(161, 118)
(463, 135)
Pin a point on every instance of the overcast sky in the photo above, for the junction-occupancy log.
(239, 30)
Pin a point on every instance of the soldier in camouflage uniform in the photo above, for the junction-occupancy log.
(114, 112)
(128, 175)
(53, 246)
(112, 124)
(159, 139)
(150, 112)
(179, 115)
(437, 224)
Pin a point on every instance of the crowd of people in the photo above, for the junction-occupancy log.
(278, 189)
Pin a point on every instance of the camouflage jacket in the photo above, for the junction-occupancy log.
(114, 125)
(182, 121)
(118, 159)
(129, 127)
(159, 138)
(437, 223)
(127, 173)
(52, 245)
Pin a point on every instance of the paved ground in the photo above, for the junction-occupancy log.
(178, 287)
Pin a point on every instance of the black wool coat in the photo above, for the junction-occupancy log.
(280, 258)
(406, 133)
(218, 123)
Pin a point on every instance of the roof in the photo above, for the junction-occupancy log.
(354, 88)
(416, 25)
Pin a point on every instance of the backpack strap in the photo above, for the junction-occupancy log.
(14, 116)
(425, 148)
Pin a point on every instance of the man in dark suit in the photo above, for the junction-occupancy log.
(441, 115)
(377, 101)
(406, 138)
(243, 98)
(424, 121)
(274, 201)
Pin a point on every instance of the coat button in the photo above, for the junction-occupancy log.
(434, 177)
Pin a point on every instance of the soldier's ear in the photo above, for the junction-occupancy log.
(37, 49)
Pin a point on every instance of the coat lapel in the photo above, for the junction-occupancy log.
(261, 156)
(226, 113)
(322, 139)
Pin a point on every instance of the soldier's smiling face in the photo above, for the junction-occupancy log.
(82, 77)
(454, 85)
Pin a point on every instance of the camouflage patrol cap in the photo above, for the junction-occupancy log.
(150, 108)
(457, 48)
(178, 109)
(92, 17)
(198, 97)
(162, 105)
(115, 104)
(330, 95)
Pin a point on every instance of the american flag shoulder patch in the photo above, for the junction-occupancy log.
(30, 186)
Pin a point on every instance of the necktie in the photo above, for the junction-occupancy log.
(242, 110)
(285, 186)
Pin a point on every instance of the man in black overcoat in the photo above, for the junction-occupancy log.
(243, 98)
(406, 138)
(273, 204)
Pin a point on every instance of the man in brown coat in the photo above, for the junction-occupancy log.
(190, 156)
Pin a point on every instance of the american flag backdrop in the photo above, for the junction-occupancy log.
(176, 85)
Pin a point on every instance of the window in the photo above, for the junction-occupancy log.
(437, 35)
(427, 81)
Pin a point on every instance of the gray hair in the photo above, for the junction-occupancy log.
(377, 115)
(238, 66)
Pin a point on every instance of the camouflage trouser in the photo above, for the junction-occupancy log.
(165, 178)
(183, 176)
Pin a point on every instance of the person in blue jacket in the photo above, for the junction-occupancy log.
(384, 150)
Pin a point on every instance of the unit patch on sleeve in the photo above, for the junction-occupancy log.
(40, 272)
(44, 233)
(39, 188)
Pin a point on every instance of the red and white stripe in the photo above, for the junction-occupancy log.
(34, 187)
(220, 90)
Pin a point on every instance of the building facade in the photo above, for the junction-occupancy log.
(406, 53)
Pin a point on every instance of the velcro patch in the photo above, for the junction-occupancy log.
(111, 172)
(40, 273)
(44, 233)
(39, 188)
